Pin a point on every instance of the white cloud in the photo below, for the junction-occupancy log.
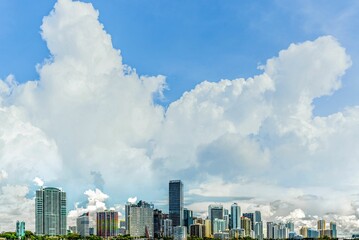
(95, 202)
(14, 205)
(3, 175)
(38, 181)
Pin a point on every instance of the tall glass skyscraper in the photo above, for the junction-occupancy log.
(236, 216)
(176, 202)
(50, 212)
(215, 211)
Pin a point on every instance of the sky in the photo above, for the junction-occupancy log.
(245, 101)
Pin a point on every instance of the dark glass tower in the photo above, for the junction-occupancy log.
(176, 202)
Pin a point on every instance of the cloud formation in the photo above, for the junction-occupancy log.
(91, 121)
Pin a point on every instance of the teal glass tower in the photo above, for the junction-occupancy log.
(50, 212)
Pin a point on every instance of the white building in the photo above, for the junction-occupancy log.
(180, 233)
(139, 219)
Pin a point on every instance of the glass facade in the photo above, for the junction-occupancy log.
(50, 212)
(176, 202)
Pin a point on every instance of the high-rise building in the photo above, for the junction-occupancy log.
(258, 230)
(321, 225)
(197, 230)
(270, 230)
(176, 202)
(167, 228)
(20, 229)
(187, 218)
(180, 233)
(158, 218)
(333, 227)
(246, 225)
(304, 232)
(290, 226)
(219, 225)
(215, 211)
(208, 225)
(251, 217)
(257, 216)
(73, 229)
(226, 218)
(82, 225)
(50, 212)
(139, 219)
(312, 233)
(283, 231)
(107, 223)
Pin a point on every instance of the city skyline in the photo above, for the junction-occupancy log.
(111, 102)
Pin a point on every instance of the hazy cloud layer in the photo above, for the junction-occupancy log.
(91, 122)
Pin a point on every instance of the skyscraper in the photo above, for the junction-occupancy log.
(236, 216)
(215, 211)
(257, 216)
(187, 218)
(20, 229)
(139, 219)
(167, 228)
(333, 227)
(158, 218)
(251, 217)
(107, 223)
(82, 225)
(246, 225)
(176, 202)
(50, 211)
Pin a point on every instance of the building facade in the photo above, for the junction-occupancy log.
(179, 233)
(107, 223)
(82, 225)
(139, 219)
(175, 196)
(20, 229)
(167, 228)
(215, 211)
(50, 212)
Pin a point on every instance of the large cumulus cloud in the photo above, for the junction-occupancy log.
(91, 121)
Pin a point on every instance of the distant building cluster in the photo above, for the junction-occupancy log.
(142, 220)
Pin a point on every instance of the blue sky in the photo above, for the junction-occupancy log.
(88, 125)
(191, 41)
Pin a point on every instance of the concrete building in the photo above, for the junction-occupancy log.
(107, 223)
(215, 211)
(167, 228)
(246, 225)
(179, 233)
(304, 232)
(270, 230)
(139, 219)
(50, 212)
(82, 225)
(208, 225)
(197, 230)
(258, 230)
(251, 217)
(219, 225)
